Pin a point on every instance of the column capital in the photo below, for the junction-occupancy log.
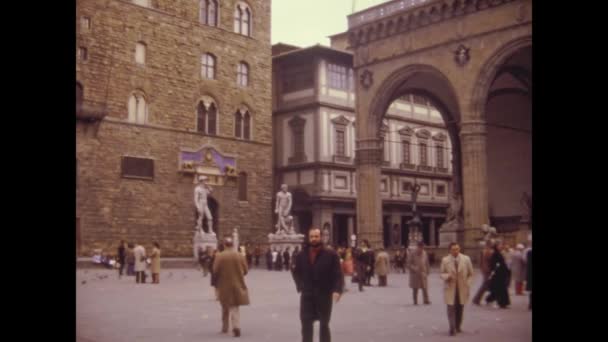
(473, 127)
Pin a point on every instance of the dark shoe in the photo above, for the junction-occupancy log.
(458, 330)
(237, 332)
(224, 329)
(452, 332)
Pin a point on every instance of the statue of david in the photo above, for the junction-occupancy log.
(201, 192)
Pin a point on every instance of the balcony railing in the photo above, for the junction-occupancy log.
(381, 11)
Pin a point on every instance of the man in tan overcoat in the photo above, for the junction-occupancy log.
(155, 263)
(230, 268)
(457, 273)
(382, 264)
(418, 264)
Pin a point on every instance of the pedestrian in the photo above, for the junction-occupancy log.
(499, 278)
(213, 276)
(398, 260)
(529, 276)
(318, 279)
(295, 253)
(122, 255)
(347, 265)
(140, 263)
(249, 256)
(278, 261)
(518, 269)
(230, 268)
(419, 267)
(256, 255)
(456, 271)
(381, 266)
(286, 258)
(269, 259)
(485, 259)
(155, 263)
(130, 259)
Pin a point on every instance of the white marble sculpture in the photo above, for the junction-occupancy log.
(282, 208)
(201, 192)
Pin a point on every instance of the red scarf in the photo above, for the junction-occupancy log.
(312, 253)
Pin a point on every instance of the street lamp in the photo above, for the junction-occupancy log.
(415, 223)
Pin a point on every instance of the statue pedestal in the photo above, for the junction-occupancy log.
(203, 240)
(282, 240)
(448, 233)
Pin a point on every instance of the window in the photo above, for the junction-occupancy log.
(208, 12)
(242, 186)
(351, 80)
(424, 189)
(340, 182)
(85, 23)
(138, 109)
(440, 190)
(132, 167)
(242, 19)
(423, 154)
(340, 143)
(140, 53)
(405, 145)
(83, 53)
(383, 185)
(297, 129)
(439, 155)
(337, 76)
(206, 118)
(242, 124)
(406, 186)
(420, 100)
(247, 126)
(242, 74)
(298, 78)
(208, 66)
(144, 3)
(238, 126)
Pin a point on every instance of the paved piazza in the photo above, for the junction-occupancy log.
(182, 308)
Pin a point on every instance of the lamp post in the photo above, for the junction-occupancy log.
(415, 223)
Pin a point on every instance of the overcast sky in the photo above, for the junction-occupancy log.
(309, 22)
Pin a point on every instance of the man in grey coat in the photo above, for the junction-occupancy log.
(418, 264)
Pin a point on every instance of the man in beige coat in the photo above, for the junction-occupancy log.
(457, 273)
(418, 264)
(230, 268)
(140, 263)
(382, 264)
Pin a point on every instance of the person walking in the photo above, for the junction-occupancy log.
(485, 259)
(382, 266)
(499, 278)
(230, 268)
(155, 263)
(319, 281)
(140, 263)
(419, 267)
(456, 271)
(130, 259)
(122, 255)
(518, 269)
(286, 258)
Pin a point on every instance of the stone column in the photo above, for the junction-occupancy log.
(369, 204)
(432, 240)
(474, 179)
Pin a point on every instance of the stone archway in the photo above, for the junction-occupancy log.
(420, 79)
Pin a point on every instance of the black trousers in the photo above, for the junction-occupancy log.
(312, 308)
(455, 313)
(122, 267)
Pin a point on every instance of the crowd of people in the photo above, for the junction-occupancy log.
(319, 274)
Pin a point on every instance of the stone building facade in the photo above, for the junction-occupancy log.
(167, 90)
(314, 130)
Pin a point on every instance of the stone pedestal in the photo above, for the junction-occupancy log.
(282, 240)
(448, 233)
(204, 240)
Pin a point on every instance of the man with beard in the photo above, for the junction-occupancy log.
(318, 279)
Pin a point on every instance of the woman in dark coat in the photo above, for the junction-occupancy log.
(278, 266)
(499, 279)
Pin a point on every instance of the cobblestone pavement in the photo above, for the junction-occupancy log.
(182, 308)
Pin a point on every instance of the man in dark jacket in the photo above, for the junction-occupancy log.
(286, 258)
(318, 279)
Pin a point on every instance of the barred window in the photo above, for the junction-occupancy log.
(337, 76)
(423, 154)
(133, 167)
(405, 144)
(340, 150)
(439, 155)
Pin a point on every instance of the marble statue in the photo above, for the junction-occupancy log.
(201, 192)
(282, 208)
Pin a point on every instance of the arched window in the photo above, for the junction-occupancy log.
(242, 19)
(138, 108)
(238, 127)
(206, 117)
(201, 118)
(208, 66)
(208, 12)
(247, 126)
(242, 186)
(242, 74)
